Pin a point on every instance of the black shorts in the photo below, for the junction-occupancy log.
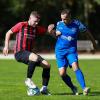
(22, 56)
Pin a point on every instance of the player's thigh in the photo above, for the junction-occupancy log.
(61, 61)
(73, 60)
(33, 57)
(22, 56)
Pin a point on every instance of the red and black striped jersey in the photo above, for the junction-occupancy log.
(25, 35)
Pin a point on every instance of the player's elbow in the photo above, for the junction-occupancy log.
(9, 33)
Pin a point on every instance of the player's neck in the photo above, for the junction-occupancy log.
(68, 22)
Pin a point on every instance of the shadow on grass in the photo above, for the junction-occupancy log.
(95, 93)
(62, 94)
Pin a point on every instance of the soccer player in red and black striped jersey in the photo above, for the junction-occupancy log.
(25, 35)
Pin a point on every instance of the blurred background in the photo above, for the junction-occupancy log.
(14, 11)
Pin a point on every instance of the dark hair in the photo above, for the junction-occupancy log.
(66, 11)
(35, 13)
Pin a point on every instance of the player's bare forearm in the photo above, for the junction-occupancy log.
(7, 38)
(51, 30)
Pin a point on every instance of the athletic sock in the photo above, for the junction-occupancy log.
(68, 81)
(44, 87)
(80, 78)
(45, 76)
(31, 68)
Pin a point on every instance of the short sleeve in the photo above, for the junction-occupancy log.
(16, 28)
(58, 27)
(81, 26)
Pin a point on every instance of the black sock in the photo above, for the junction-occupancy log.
(45, 76)
(67, 81)
(31, 68)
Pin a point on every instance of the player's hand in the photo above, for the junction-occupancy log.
(51, 28)
(5, 51)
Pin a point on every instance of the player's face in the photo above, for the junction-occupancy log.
(65, 18)
(33, 21)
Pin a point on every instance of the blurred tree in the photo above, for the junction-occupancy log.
(13, 11)
(94, 19)
(10, 13)
(98, 1)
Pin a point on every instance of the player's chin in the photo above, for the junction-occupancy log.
(34, 25)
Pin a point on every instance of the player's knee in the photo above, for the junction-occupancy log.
(45, 64)
(62, 72)
(39, 59)
(75, 66)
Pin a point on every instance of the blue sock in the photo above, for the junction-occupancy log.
(68, 81)
(80, 78)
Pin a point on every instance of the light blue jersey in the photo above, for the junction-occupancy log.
(66, 45)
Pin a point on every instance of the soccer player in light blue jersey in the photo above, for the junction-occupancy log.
(67, 31)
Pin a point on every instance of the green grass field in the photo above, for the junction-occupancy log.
(13, 74)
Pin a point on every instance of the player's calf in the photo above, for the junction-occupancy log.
(45, 76)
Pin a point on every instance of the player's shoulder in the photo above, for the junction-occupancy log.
(59, 23)
(22, 23)
(76, 21)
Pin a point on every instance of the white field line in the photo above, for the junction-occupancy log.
(52, 56)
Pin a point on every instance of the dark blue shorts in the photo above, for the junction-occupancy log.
(22, 56)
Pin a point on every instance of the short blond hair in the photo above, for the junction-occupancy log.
(35, 13)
